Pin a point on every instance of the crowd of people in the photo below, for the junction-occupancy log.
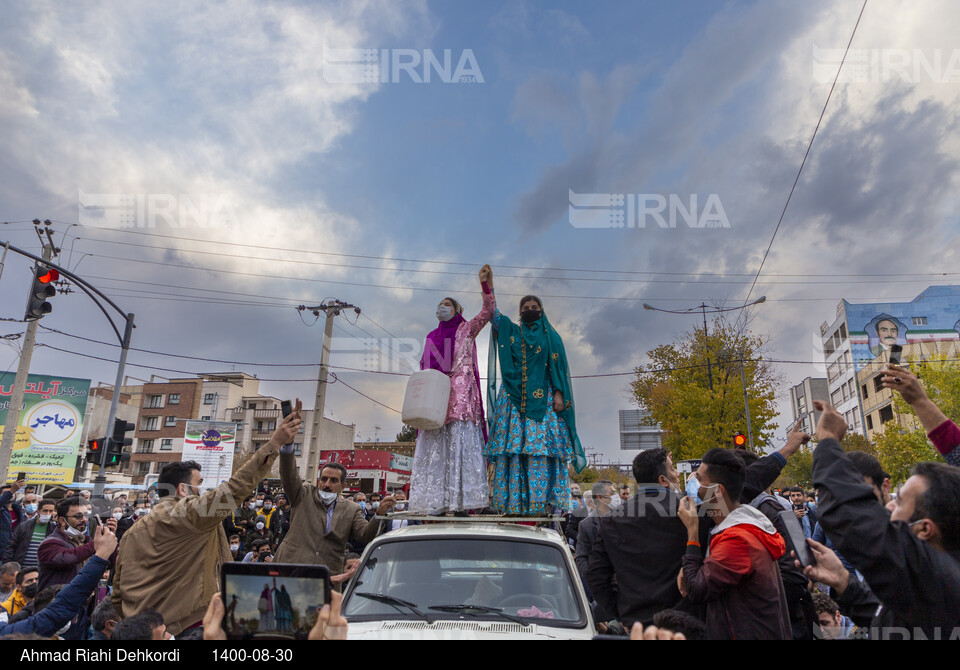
(712, 559)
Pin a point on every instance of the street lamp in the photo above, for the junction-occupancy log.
(702, 307)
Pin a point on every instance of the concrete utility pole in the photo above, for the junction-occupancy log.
(23, 369)
(330, 310)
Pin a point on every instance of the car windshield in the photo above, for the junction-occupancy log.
(524, 579)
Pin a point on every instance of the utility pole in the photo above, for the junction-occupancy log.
(746, 404)
(330, 310)
(23, 369)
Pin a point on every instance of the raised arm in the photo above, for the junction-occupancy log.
(208, 510)
(943, 432)
(476, 324)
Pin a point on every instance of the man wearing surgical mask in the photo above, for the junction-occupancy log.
(61, 555)
(321, 523)
(29, 534)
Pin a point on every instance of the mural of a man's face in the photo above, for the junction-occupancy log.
(887, 331)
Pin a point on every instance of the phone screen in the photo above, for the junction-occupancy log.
(286, 408)
(273, 600)
(895, 351)
(795, 539)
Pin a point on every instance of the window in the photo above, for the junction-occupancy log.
(145, 447)
(828, 347)
(143, 469)
(205, 418)
(886, 414)
(869, 422)
(843, 331)
(297, 448)
(154, 401)
(151, 423)
(166, 444)
(208, 398)
(833, 371)
(919, 320)
(878, 383)
(173, 399)
(170, 422)
(863, 392)
(835, 398)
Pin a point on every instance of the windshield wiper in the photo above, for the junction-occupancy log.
(475, 609)
(396, 603)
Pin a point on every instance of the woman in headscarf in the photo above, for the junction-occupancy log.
(533, 433)
(449, 471)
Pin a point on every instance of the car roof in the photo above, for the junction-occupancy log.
(480, 529)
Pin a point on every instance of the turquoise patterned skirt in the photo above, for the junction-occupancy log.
(530, 461)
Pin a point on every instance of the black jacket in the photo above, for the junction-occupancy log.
(586, 538)
(644, 547)
(6, 522)
(918, 585)
(22, 534)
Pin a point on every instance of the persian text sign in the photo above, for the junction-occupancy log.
(49, 428)
(211, 444)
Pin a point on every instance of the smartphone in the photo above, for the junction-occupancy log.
(286, 408)
(895, 351)
(272, 600)
(21, 476)
(795, 539)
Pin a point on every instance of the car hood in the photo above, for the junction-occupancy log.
(461, 630)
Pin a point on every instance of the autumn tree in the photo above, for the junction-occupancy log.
(675, 388)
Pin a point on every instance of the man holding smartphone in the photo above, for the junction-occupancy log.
(170, 560)
(321, 523)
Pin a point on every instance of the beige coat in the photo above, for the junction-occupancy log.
(170, 559)
(308, 540)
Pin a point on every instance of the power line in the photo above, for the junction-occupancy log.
(805, 155)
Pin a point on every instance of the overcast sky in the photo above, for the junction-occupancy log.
(243, 123)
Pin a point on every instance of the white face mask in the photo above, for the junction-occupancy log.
(117, 515)
(444, 312)
(259, 503)
(234, 547)
(72, 532)
(328, 498)
(615, 501)
(44, 518)
(260, 525)
(252, 505)
(268, 506)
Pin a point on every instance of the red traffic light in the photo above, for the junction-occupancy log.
(94, 446)
(48, 276)
(739, 439)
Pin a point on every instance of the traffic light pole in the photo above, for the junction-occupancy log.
(100, 482)
(19, 385)
(746, 404)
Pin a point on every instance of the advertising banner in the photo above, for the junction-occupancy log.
(212, 445)
(49, 428)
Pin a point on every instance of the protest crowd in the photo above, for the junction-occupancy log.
(714, 561)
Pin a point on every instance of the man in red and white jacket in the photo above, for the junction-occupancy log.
(739, 580)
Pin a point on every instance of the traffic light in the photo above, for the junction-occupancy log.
(119, 440)
(739, 440)
(41, 289)
(95, 450)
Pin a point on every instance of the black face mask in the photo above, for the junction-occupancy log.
(30, 591)
(530, 315)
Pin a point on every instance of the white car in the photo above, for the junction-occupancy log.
(468, 580)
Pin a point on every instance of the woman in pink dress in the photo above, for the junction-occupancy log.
(449, 468)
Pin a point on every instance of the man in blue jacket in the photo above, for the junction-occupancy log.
(71, 599)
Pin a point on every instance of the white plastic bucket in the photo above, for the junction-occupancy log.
(426, 399)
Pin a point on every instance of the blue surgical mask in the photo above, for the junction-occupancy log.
(363, 505)
(30, 508)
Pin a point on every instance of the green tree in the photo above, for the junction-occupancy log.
(899, 450)
(857, 442)
(798, 471)
(675, 388)
(407, 434)
(586, 476)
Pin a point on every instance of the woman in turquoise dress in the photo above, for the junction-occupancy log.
(533, 435)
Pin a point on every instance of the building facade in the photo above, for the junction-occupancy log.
(636, 433)
(857, 345)
(801, 402)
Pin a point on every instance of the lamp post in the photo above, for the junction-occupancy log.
(702, 307)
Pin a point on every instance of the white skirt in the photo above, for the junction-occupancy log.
(449, 470)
